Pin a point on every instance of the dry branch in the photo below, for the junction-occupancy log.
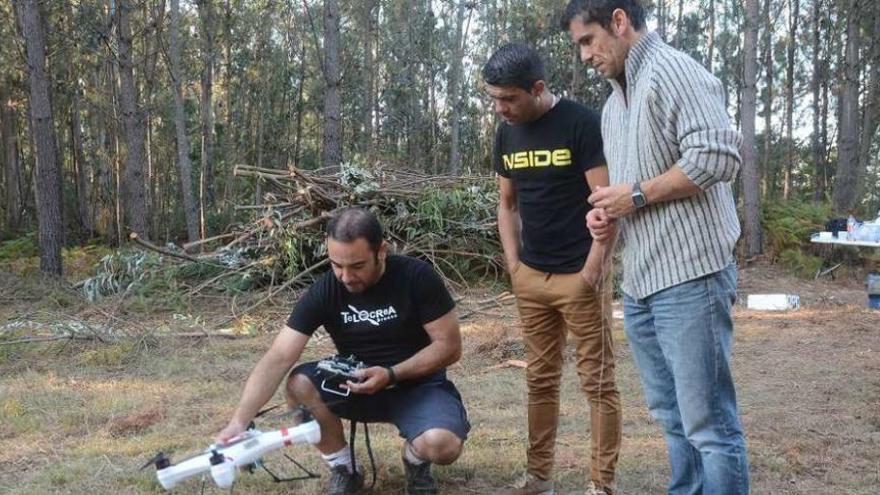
(190, 245)
(32, 340)
(456, 233)
(149, 245)
(275, 291)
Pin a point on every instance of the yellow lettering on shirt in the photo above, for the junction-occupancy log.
(537, 158)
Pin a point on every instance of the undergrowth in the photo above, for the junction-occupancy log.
(787, 229)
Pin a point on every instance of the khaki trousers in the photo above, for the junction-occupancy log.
(551, 305)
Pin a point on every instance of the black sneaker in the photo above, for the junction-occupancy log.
(418, 479)
(342, 482)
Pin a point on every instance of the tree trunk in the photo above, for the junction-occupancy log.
(710, 37)
(749, 174)
(48, 168)
(332, 144)
(228, 132)
(679, 23)
(576, 67)
(815, 85)
(661, 19)
(300, 108)
(103, 125)
(11, 165)
(134, 197)
(206, 18)
(834, 45)
(369, 23)
(82, 169)
(377, 110)
(767, 171)
(454, 96)
(872, 105)
(794, 12)
(431, 80)
(848, 166)
(183, 164)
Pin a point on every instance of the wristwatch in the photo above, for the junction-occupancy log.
(392, 376)
(638, 196)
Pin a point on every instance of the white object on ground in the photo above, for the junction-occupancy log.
(773, 302)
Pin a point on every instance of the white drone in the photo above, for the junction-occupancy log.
(242, 452)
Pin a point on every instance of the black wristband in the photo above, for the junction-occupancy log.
(391, 375)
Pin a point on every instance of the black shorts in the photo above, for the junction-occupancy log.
(431, 402)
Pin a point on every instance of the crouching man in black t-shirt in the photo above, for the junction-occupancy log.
(394, 314)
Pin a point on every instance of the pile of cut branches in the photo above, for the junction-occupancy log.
(448, 221)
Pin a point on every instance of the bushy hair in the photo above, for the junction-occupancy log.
(514, 64)
(600, 11)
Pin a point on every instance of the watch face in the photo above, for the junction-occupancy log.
(639, 199)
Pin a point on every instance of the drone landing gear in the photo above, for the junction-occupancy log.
(307, 476)
(251, 468)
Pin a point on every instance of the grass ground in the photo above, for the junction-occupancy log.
(81, 416)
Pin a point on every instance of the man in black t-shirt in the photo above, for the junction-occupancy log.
(548, 156)
(394, 314)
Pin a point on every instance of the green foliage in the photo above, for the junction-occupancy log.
(80, 260)
(155, 284)
(800, 262)
(298, 252)
(450, 224)
(787, 229)
(119, 272)
(22, 247)
(198, 270)
(108, 356)
(454, 229)
(12, 352)
(788, 224)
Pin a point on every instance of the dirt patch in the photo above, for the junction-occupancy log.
(134, 423)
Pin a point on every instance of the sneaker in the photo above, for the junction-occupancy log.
(593, 489)
(531, 485)
(419, 480)
(343, 482)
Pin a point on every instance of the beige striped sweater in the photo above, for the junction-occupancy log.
(673, 113)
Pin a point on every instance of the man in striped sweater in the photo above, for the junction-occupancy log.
(672, 156)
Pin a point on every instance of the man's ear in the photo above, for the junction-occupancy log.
(382, 253)
(619, 21)
(538, 88)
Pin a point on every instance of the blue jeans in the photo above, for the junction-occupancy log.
(681, 339)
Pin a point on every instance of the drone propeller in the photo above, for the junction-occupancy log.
(159, 460)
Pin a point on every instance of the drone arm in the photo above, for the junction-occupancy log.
(171, 475)
(251, 450)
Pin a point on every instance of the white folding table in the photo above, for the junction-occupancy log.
(826, 267)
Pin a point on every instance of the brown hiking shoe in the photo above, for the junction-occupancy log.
(530, 485)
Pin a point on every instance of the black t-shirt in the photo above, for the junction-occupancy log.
(546, 159)
(383, 325)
